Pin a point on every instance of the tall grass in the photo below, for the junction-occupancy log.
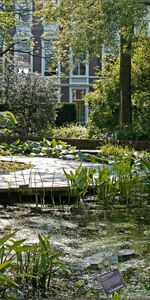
(27, 266)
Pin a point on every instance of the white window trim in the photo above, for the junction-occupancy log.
(78, 75)
(16, 56)
(76, 88)
(43, 61)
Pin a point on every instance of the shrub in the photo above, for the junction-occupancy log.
(116, 151)
(27, 267)
(66, 113)
(7, 119)
(70, 131)
(30, 99)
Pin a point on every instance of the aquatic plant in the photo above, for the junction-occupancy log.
(6, 262)
(120, 182)
(79, 181)
(27, 266)
(106, 185)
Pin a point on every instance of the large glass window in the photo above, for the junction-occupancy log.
(78, 94)
(79, 69)
(23, 57)
(50, 68)
(79, 65)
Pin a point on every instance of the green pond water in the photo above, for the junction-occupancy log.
(86, 235)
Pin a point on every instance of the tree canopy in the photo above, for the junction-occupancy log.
(11, 13)
(104, 100)
(86, 25)
(7, 18)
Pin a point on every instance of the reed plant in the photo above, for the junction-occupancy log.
(118, 183)
(27, 266)
(79, 182)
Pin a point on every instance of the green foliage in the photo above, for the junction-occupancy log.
(27, 266)
(6, 262)
(6, 166)
(42, 148)
(30, 98)
(7, 18)
(141, 88)
(104, 102)
(66, 113)
(87, 25)
(140, 93)
(79, 181)
(118, 180)
(10, 15)
(115, 151)
(123, 173)
(7, 119)
(72, 131)
(36, 264)
(115, 182)
(116, 296)
(105, 186)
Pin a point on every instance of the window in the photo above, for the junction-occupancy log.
(79, 69)
(80, 113)
(50, 69)
(79, 65)
(23, 57)
(23, 63)
(78, 94)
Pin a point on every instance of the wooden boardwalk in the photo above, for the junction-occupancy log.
(46, 174)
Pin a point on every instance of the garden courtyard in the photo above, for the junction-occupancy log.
(89, 213)
(74, 220)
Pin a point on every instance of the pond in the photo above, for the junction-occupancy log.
(87, 235)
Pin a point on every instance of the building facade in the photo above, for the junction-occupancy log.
(33, 54)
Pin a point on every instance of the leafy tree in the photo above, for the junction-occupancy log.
(87, 24)
(7, 17)
(12, 13)
(104, 101)
(30, 98)
(141, 87)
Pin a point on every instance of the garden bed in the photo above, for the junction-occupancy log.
(86, 144)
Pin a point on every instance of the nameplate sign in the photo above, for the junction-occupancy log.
(112, 281)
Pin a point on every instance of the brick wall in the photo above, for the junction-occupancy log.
(37, 31)
(84, 143)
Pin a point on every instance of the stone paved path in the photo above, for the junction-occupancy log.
(45, 173)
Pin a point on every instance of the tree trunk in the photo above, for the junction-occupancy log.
(125, 82)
